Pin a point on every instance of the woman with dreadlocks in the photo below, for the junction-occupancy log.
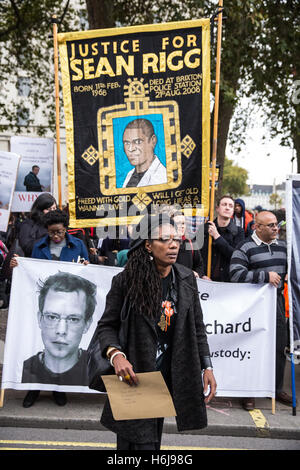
(166, 333)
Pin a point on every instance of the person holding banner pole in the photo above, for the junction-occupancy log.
(225, 238)
(262, 258)
(170, 339)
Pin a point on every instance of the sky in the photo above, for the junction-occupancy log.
(265, 160)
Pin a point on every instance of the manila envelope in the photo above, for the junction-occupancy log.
(149, 399)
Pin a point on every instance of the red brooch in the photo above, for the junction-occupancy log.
(165, 319)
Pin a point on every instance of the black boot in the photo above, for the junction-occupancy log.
(60, 398)
(30, 398)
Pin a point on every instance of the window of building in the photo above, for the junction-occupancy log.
(23, 86)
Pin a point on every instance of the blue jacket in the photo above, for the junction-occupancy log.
(70, 252)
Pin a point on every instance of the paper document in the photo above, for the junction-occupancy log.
(150, 399)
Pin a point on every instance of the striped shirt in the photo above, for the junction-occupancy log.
(254, 259)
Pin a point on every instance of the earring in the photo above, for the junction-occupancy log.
(150, 255)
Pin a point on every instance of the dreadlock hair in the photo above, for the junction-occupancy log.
(142, 282)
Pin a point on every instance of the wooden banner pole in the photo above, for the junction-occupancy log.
(54, 22)
(1, 398)
(215, 132)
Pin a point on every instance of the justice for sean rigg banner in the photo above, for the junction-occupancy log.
(137, 111)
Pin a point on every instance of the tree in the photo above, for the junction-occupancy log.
(276, 69)
(240, 29)
(259, 54)
(101, 14)
(234, 179)
(26, 54)
(275, 200)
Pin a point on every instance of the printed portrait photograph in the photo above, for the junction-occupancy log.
(139, 148)
(34, 177)
(51, 324)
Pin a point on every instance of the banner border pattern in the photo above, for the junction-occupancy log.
(68, 109)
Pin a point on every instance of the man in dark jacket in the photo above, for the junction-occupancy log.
(226, 236)
(32, 182)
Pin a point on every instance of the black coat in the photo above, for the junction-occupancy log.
(32, 182)
(30, 232)
(190, 256)
(189, 346)
(222, 250)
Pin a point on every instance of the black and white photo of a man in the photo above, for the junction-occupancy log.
(66, 306)
(139, 141)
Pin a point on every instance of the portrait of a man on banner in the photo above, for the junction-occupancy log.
(144, 151)
(51, 324)
(66, 306)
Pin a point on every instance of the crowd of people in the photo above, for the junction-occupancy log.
(247, 246)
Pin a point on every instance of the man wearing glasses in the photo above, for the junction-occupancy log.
(66, 306)
(262, 258)
(57, 245)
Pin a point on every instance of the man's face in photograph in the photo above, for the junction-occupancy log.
(63, 323)
(138, 147)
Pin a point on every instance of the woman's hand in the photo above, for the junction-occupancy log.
(13, 262)
(209, 380)
(123, 369)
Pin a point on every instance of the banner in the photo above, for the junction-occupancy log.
(293, 249)
(35, 171)
(48, 333)
(9, 163)
(137, 112)
(240, 322)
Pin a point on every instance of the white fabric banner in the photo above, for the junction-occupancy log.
(240, 322)
(9, 163)
(37, 340)
(239, 318)
(35, 151)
